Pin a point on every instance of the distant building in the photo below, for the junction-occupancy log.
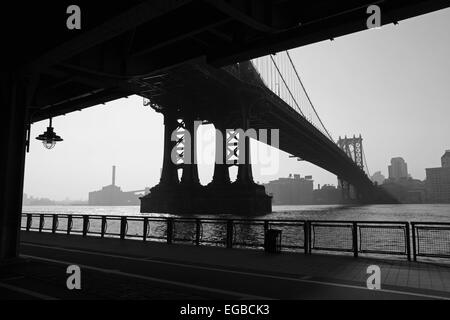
(445, 159)
(398, 169)
(438, 181)
(291, 191)
(31, 201)
(406, 190)
(378, 178)
(328, 194)
(112, 195)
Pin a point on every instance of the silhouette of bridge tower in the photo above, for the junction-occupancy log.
(187, 195)
(353, 147)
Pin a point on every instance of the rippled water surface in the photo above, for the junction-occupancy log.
(406, 212)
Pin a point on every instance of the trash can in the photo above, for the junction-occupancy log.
(272, 241)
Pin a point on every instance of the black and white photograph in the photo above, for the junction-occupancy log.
(225, 158)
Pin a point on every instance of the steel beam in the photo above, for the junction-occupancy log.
(12, 162)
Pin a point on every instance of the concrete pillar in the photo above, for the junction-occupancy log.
(12, 162)
(352, 192)
(345, 188)
(190, 169)
(245, 175)
(221, 174)
(359, 195)
(169, 174)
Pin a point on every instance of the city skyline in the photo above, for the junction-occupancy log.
(380, 100)
(316, 186)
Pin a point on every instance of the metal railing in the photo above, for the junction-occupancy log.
(354, 237)
(431, 239)
(247, 233)
(368, 237)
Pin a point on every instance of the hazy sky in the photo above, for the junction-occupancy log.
(391, 85)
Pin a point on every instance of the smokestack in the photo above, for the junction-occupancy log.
(114, 176)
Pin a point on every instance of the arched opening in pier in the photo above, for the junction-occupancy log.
(206, 146)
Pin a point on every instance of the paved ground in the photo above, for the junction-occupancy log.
(135, 270)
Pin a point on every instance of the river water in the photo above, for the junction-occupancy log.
(402, 212)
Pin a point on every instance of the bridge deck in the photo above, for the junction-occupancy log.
(127, 269)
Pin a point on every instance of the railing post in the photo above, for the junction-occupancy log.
(54, 223)
(103, 230)
(407, 238)
(197, 231)
(41, 222)
(355, 239)
(69, 224)
(266, 226)
(29, 221)
(123, 227)
(413, 230)
(306, 237)
(85, 225)
(169, 230)
(309, 237)
(229, 234)
(144, 232)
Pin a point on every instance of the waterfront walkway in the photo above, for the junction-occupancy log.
(127, 269)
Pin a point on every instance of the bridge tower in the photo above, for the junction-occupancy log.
(187, 195)
(353, 147)
(242, 196)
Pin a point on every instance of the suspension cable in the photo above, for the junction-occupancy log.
(307, 96)
(282, 78)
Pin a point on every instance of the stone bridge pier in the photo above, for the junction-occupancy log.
(220, 196)
(349, 193)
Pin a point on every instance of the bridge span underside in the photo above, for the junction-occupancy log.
(235, 97)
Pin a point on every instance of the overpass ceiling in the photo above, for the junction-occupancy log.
(121, 42)
(224, 31)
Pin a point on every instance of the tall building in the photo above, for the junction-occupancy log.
(438, 181)
(398, 169)
(378, 177)
(445, 159)
(291, 191)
